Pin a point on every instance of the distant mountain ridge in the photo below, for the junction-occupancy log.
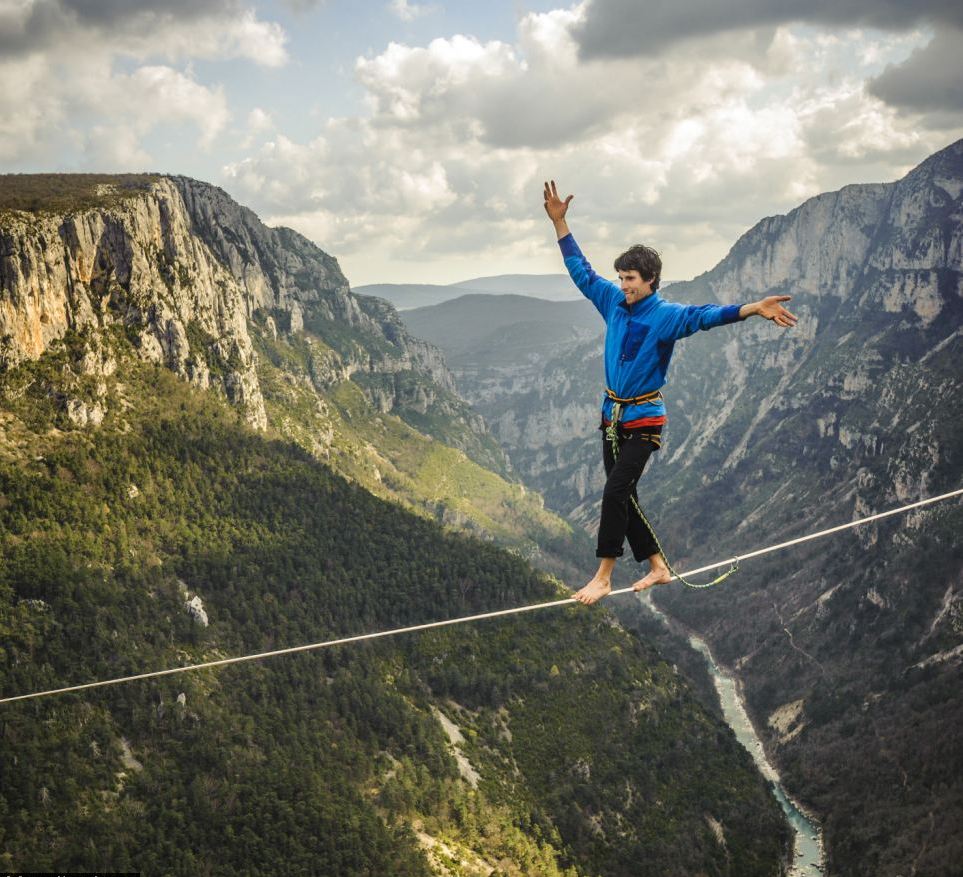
(500, 330)
(553, 287)
(405, 296)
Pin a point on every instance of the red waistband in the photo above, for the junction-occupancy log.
(641, 421)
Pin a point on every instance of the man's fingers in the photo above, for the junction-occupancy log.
(554, 190)
(568, 200)
(780, 316)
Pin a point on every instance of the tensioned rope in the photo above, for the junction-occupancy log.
(467, 618)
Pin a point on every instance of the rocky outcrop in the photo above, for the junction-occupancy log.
(415, 354)
(185, 271)
(852, 412)
(287, 277)
(274, 267)
(137, 265)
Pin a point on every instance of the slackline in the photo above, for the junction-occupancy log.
(467, 618)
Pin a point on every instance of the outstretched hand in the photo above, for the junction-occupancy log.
(555, 207)
(771, 308)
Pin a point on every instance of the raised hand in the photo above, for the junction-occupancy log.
(555, 207)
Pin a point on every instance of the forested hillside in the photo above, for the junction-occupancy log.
(180, 483)
(265, 319)
(582, 752)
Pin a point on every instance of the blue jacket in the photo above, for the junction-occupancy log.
(638, 339)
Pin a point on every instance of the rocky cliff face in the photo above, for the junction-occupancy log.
(855, 411)
(184, 270)
(544, 413)
(138, 266)
(774, 434)
(290, 279)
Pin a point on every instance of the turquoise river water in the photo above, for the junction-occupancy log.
(808, 851)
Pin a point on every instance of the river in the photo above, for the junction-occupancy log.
(808, 850)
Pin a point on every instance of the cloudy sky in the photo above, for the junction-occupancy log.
(410, 140)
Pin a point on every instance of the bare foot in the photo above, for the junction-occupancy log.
(595, 590)
(658, 575)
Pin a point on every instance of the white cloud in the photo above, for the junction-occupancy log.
(104, 113)
(259, 123)
(177, 97)
(238, 35)
(168, 29)
(29, 106)
(259, 120)
(446, 167)
(112, 148)
(68, 77)
(427, 85)
(409, 11)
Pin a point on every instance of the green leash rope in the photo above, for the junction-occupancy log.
(612, 434)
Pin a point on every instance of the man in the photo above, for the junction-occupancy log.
(640, 331)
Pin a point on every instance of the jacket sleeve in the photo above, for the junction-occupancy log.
(681, 321)
(601, 292)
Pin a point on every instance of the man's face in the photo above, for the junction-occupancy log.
(634, 288)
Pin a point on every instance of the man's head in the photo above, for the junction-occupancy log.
(640, 270)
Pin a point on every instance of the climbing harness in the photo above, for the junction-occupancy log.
(654, 396)
(517, 610)
(612, 434)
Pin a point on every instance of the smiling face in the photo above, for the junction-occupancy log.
(634, 288)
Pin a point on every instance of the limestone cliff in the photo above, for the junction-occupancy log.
(186, 272)
(773, 434)
(285, 275)
(136, 265)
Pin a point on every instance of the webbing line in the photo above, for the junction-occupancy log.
(467, 618)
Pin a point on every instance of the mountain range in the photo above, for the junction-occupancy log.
(405, 296)
(197, 407)
(210, 446)
(489, 333)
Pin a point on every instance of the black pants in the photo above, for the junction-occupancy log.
(619, 518)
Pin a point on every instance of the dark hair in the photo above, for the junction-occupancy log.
(643, 259)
